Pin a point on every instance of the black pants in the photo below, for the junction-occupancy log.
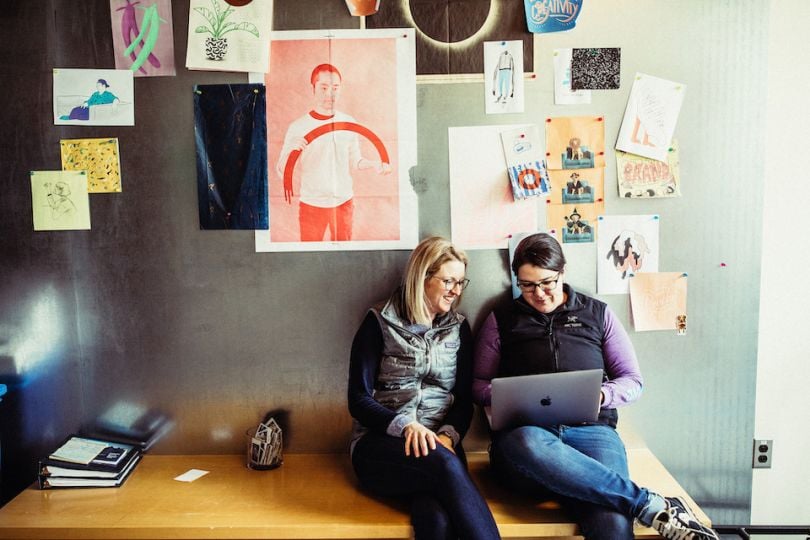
(445, 503)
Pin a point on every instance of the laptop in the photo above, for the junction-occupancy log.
(568, 397)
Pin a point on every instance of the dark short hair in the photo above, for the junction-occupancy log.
(320, 68)
(102, 81)
(541, 250)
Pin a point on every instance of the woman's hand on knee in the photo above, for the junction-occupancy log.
(419, 440)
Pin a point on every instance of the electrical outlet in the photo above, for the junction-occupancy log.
(763, 453)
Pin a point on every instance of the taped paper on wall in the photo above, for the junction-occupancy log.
(650, 117)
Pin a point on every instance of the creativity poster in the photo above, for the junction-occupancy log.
(503, 77)
(626, 246)
(93, 97)
(59, 200)
(658, 300)
(650, 117)
(143, 37)
(99, 157)
(483, 212)
(543, 16)
(575, 142)
(339, 155)
(229, 35)
(640, 177)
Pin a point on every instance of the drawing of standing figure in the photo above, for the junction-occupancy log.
(59, 200)
(503, 78)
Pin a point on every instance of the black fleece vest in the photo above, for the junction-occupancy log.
(568, 339)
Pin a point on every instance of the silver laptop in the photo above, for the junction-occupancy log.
(569, 397)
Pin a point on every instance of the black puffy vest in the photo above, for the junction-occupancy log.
(568, 339)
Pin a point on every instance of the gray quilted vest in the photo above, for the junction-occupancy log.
(417, 372)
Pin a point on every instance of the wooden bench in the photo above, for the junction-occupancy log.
(309, 496)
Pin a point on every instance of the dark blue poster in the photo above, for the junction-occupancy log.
(231, 138)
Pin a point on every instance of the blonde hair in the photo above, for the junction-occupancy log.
(424, 262)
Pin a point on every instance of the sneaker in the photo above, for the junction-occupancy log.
(678, 522)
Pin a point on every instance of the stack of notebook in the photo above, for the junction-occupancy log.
(129, 424)
(83, 462)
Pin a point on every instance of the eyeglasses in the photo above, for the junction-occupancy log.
(450, 283)
(547, 285)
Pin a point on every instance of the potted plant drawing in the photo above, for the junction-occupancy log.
(216, 45)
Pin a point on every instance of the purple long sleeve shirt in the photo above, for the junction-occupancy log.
(624, 382)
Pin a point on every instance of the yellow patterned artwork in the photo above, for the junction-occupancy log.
(99, 157)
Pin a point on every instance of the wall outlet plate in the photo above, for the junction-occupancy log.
(763, 453)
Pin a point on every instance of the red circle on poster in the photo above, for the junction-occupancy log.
(238, 3)
(529, 178)
(292, 159)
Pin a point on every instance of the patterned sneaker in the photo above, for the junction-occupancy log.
(678, 522)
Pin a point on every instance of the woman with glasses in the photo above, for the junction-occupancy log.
(410, 394)
(551, 327)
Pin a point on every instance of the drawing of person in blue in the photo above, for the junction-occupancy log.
(503, 79)
(102, 96)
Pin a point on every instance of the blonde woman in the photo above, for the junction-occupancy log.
(410, 394)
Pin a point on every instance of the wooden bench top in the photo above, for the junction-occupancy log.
(309, 496)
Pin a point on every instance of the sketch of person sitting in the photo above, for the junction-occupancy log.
(102, 96)
(59, 200)
(575, 148)
(574, 187)
(576, 229)
(576, 155)
(577, 190)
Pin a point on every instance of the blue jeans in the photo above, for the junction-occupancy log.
(583, 467)
(445, 503)
(504, 82)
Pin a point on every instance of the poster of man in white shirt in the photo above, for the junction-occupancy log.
(341, 138)
(327, 160)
